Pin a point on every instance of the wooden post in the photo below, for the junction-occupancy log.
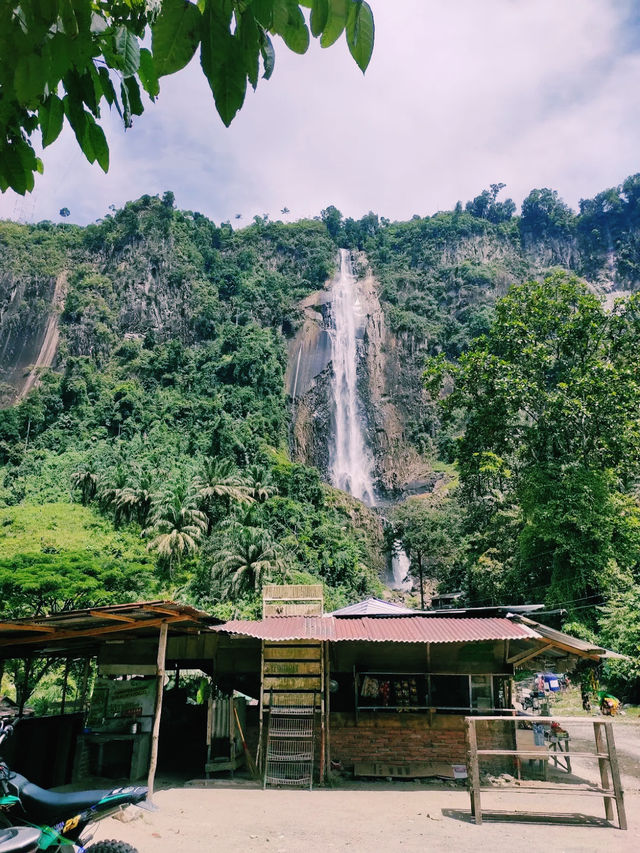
(615, 775)
(155, 732)
(85, 684)
(65, 683)
(327, 672)
(24, 690)
(261, 709)
(605, 776)
(473, 770)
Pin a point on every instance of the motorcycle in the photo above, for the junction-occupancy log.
(61, 818)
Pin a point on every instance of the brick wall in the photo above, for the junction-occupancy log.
(412, 737)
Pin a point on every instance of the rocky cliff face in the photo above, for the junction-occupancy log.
(29, 314)
(309, 376)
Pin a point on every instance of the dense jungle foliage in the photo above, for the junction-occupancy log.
(158, 445)
(168, 416)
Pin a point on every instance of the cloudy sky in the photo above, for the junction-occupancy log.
(459, 94)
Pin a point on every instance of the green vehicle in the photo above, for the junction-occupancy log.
(62, 819)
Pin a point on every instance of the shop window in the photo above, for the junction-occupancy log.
(481, 698)
(450, 691)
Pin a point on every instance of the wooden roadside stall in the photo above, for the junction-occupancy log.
(134, 643)
(389, 687)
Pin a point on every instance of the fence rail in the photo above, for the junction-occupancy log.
(610, 788)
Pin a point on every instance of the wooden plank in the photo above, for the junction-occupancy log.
(13, 626)
(615, 774)
(157, 609)
(572, 790)
(309, 608)
(522, 657)
(292, 592)
(507, 717)
(284, 667)
(313, 682)
(544, 751)
(116, 617)
(293, 653)
(155, 731)
(473, 770)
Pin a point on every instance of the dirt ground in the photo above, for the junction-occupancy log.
(236, 817)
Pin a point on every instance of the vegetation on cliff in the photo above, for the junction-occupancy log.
(165, 414)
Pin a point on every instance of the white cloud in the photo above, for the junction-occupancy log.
(458, 95)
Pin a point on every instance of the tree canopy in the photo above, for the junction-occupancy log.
(550, 399)
(68, 58)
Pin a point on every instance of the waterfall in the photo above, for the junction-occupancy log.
(400, 563)
(351, 460)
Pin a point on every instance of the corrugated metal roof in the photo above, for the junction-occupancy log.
(372, 607)
(418, 629)
(78, 629)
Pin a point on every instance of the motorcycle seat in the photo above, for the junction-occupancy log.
(49, 807)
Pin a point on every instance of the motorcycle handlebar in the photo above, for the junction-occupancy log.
(6, 729)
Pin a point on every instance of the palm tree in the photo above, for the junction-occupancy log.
(177, 526)
(134, 502)
(250, 560)
(217, 486)
(219, 478)
(86, 479)
(259, 482)
(110, 488)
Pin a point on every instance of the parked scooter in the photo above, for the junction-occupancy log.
(61, 818)
(19, 839)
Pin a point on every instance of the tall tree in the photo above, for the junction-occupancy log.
(430, 536)
(249, 560)
(551, 397)
(177, 527)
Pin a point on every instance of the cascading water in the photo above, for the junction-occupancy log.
(351, 460)
(400, 564)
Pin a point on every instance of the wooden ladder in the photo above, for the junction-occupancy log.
(292, 697)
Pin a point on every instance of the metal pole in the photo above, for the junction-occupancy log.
(155, 732)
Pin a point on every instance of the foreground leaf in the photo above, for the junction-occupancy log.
(51, 115)
(360, 33)
(221, 58)
(175, 36)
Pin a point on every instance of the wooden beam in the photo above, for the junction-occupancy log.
(155, 731)
(97, 632)
(13, 626)
(115, 616)
(522, 657)
(157, 609)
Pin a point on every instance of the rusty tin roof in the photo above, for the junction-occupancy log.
(417, 629)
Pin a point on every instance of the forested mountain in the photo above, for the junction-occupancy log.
(170, 405)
